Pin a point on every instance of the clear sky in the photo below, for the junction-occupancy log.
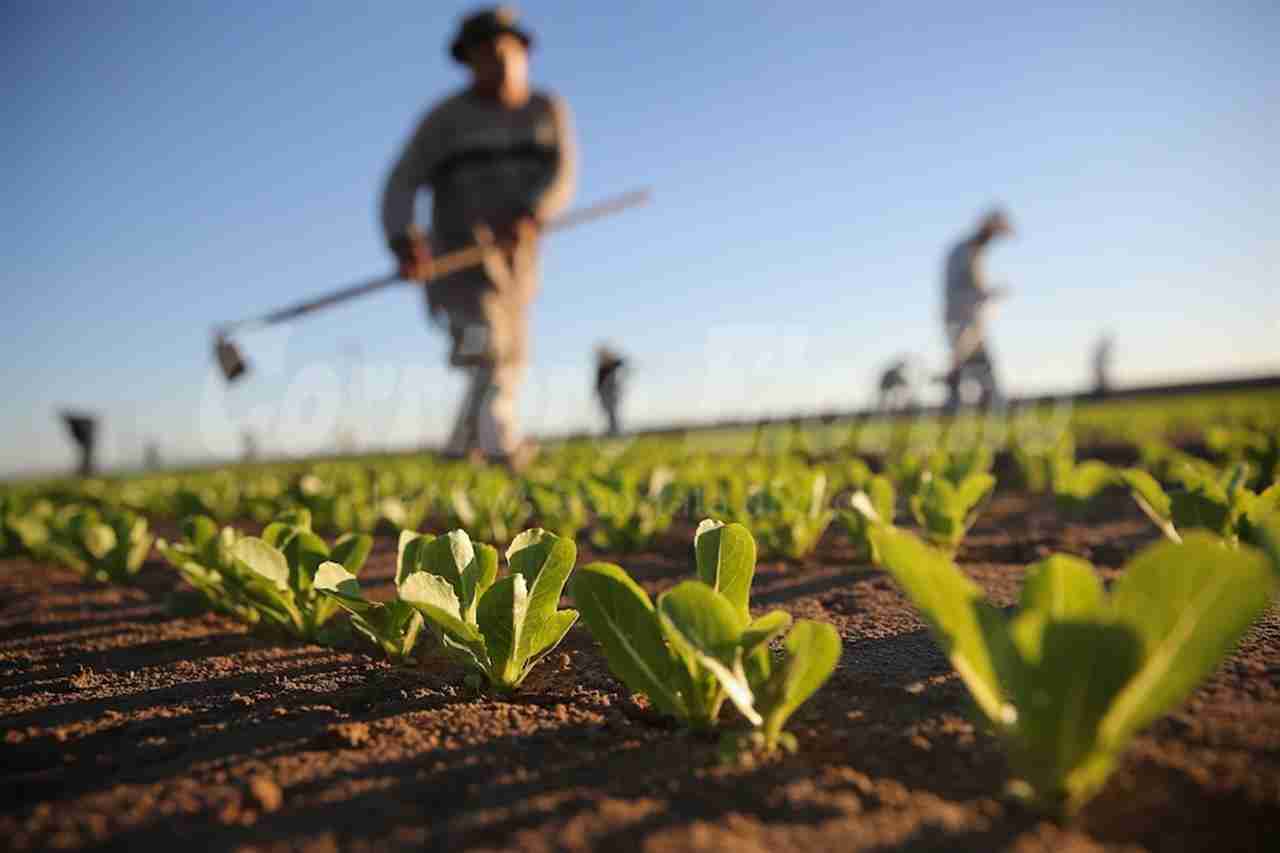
(168, 167)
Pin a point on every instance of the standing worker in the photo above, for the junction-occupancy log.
(967, 295)
(609, 369)
(1103, 352)
(499, 159)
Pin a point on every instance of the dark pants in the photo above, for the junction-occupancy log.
(978, 368)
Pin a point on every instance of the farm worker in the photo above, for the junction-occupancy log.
(967, 294)
(1103, 352)
(499, 160)
(895, 387)
(609, 370)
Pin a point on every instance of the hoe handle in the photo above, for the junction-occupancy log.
(440, 267)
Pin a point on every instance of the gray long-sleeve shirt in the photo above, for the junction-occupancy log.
(483, 162)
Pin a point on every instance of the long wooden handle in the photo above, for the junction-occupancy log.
(444, 265)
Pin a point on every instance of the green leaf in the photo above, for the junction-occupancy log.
(351, 550)
(546, 560)
(1152, 500)
(99, 540)
(333, 578)
(479, 576)
(972, 490)
(304, 551)
(762, 631)
(409, 553)
(1189, 604)
(755, 641)
(1066, 685)
(812, 652)
(264, 560)
(622, 619)
(733, 681)
(970, 631)
(501, 616)
(435, 598)
(698, 617)
(883, 497)
(448, 556)
(699, 622)
(1088, 478)
(1062, 588)
(200, 530)
(726, 559)
(552, 632)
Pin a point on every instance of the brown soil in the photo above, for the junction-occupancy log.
(126, 726)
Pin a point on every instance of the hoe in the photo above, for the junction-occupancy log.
(233, 363)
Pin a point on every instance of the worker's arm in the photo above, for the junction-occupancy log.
(552, 198)
(411, 172)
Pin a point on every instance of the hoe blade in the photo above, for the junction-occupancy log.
(230, 361)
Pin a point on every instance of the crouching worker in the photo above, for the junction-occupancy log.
(499, 159)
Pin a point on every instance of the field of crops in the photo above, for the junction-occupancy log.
(1056, 631)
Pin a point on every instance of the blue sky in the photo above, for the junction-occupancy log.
(166, 169)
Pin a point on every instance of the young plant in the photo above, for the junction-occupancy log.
(1225, 507)
(24, 528)
(392, 626)
(790, 513)
(882, 498)
(490, 506)
(1033, 457)
(1069, 679)
(1074, 483)
(500, 627)
(205, 559)
(627, 517)
(559, 509)
(272, 576)
(946, 510)
(699, 645)
(106, 547)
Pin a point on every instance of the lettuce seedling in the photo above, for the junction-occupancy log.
(627, 517)
(274, 575)
(106, 547)
(392, 626)
(559, 509)
(790, 513)
(1069, 679)
(945, 510)
(1259, 448)
(882, 498)
(24, 528)
(1074, 483)
(1223, 506)
(699, 645)
(491, 505)
(206, 561)
(502, 627)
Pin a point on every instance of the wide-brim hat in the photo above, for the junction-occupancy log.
(484, 25)
(997, 221)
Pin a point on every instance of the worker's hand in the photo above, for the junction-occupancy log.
(516, 229)
(414, 256)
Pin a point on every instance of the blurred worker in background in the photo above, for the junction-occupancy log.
(499, 160)
(1103, 352)
(967, 294)
(610, 368)
(83, 428)
(896, 394)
